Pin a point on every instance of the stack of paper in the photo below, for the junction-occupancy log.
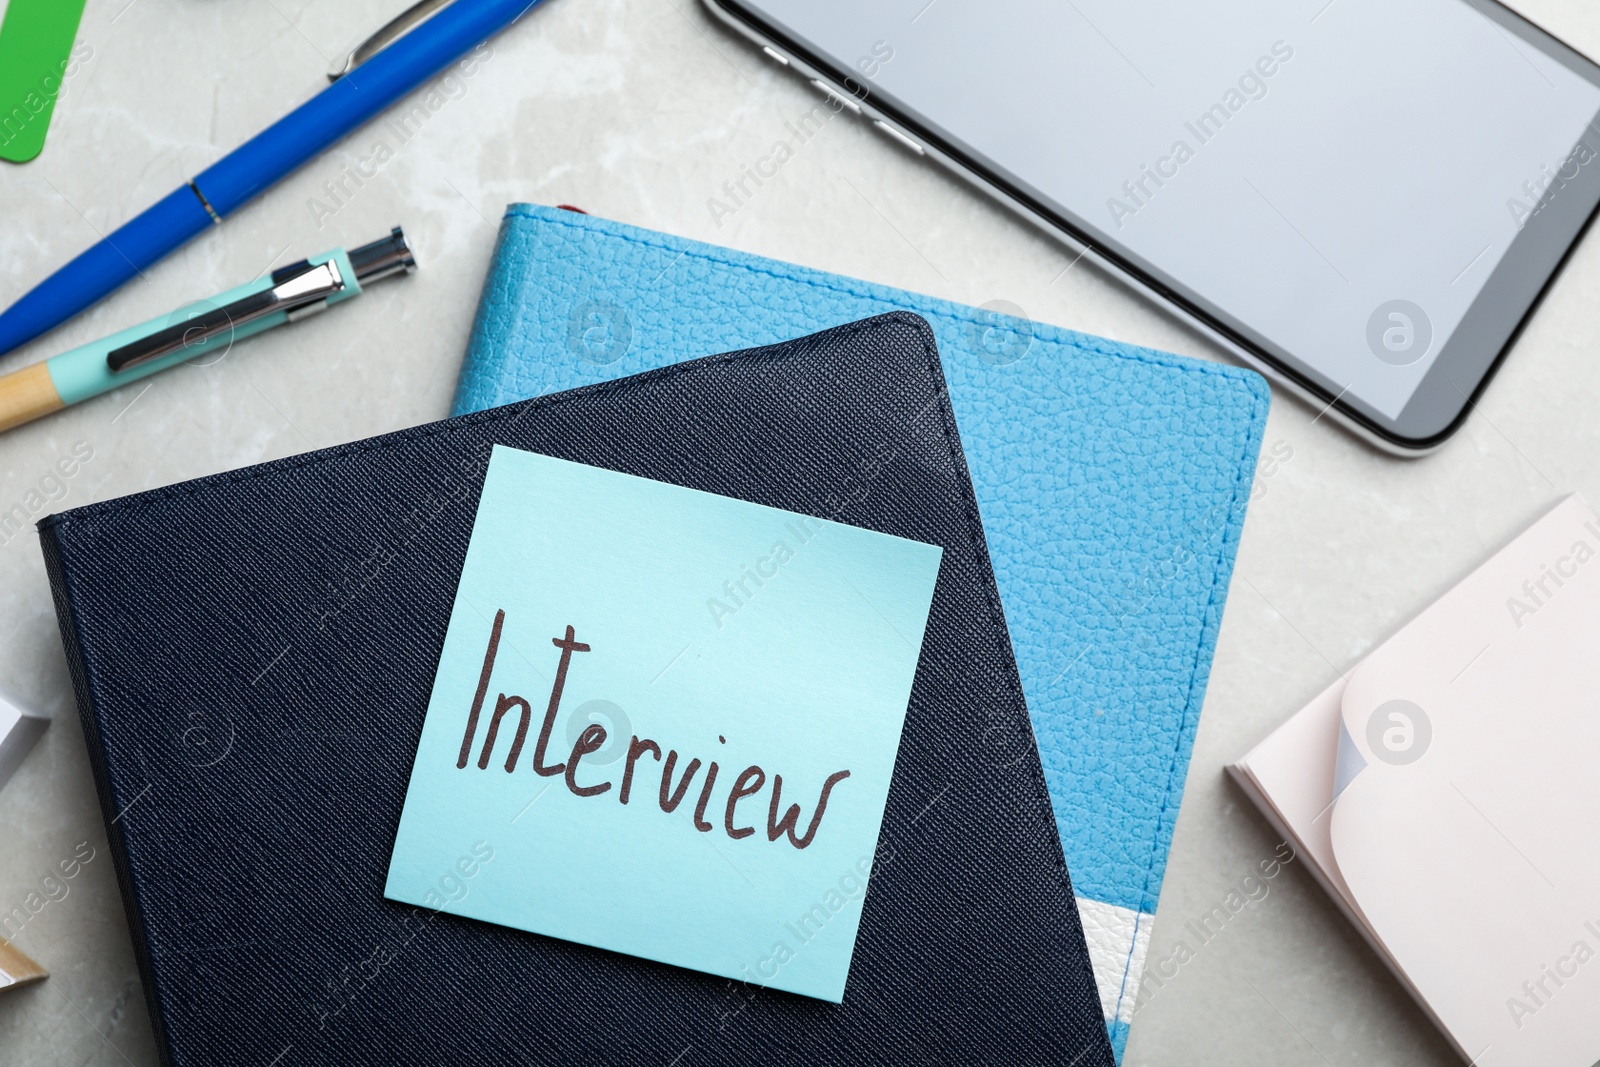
(18, 731)
(1445, 794)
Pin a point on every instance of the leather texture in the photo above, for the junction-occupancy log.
(253, 654)
(1112, 481)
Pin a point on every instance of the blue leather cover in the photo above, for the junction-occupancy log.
(1112, 481)
(253, 654)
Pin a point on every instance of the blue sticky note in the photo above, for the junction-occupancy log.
(664, 723)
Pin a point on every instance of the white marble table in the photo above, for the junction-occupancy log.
(640, 110)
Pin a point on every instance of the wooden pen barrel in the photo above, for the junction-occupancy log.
(26, 395)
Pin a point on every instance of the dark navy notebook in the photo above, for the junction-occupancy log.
(253, 654)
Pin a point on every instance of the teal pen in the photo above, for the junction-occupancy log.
(286, 295)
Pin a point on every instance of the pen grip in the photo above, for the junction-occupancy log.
(26, 395)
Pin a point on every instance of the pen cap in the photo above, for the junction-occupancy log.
(383, 258)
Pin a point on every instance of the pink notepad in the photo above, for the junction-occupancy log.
(1444, 792)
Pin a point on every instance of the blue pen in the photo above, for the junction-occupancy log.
(371, 86)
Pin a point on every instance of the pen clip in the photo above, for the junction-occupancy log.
(386, 35)
(296, 290)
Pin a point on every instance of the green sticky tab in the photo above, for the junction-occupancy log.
(35, 55)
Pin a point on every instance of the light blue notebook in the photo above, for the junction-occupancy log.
(1112, 482)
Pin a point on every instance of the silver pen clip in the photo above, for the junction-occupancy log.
(387, 34)
(300, 292)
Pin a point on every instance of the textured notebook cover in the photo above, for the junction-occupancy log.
(1112, 482)
(253, 652)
